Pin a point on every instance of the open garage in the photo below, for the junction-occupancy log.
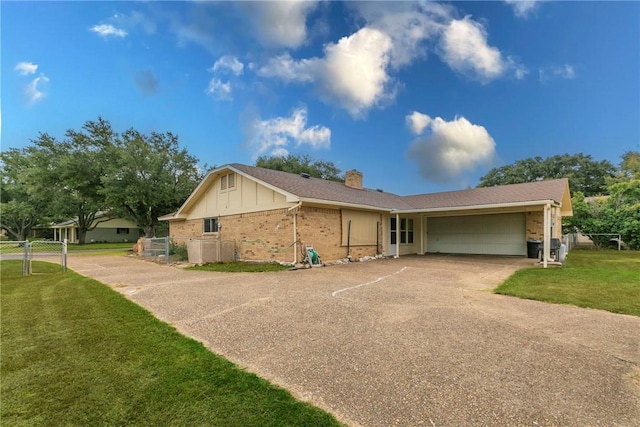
(498, 234)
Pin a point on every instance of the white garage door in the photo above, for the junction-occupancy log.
(500, 234)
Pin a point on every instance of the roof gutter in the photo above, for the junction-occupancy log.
(346, 205)
(477, 207)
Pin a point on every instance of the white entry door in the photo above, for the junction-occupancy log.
(393, 237)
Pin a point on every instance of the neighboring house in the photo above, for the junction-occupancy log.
(109, 230)
(272, 215)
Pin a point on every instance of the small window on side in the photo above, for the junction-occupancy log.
(210, 225)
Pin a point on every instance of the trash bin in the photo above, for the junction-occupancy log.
(533, 247)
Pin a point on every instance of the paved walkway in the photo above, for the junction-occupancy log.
(407, 342)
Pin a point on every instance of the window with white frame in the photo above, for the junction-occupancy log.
(210, 225)
(406, 230)
(228, 181)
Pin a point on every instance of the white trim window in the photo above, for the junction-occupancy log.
(406, 230)
(228, 181)
(210, 225)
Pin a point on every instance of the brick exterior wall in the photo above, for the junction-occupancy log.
(535, 224)
(260, 236)
(268, 235)
(322, 228)
(181, 231)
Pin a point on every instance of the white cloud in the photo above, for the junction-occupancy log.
(408, 24)
(565, 71)
(219, 90)
(274, 136)
(108, 30)
(523, 8)
(32, 90)
(465, 49)
(228, 63)
(356, 69)
(451, 148)
(417, 122)
(352, 74)
(280, 23)
(134, 20)
(288, 69)
(26, 68)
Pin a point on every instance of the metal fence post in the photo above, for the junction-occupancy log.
(166, 249)
(64, 255)
(25, 259)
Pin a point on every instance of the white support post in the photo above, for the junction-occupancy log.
(546, 251)
(295, 238)
(397, 255)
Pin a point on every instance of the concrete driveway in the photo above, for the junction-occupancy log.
(407, 342)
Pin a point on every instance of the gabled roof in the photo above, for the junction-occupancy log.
(308, 189)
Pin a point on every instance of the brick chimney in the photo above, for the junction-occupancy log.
(353, 179)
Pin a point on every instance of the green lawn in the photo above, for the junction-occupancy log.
(607, 280)
(100, 246)
(75, 352)
(240, 267)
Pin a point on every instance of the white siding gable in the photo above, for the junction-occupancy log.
(246, 195)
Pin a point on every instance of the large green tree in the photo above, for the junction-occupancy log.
(19, 212)
(618, 212)
(585, 174)
(68, 174)
(302, 163)
(148, 176)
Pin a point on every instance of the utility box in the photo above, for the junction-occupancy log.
(202, 251)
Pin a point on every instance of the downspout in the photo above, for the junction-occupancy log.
(295, 232)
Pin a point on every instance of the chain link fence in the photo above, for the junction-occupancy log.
(39, 250)
(156, 249)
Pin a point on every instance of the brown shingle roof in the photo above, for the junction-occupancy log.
(330, 191)
(322, 189)
(513, 193)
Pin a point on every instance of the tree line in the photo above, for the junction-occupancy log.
(93, 175)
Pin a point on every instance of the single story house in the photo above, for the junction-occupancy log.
(273, 215)
(106, 230)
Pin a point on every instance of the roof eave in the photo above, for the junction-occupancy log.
(477, 207)
(344, 204)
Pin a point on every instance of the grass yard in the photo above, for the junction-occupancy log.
(607, 280)
(75, 352)
(240, 267)
(101, 246)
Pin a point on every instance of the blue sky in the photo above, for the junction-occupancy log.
(420, 97)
